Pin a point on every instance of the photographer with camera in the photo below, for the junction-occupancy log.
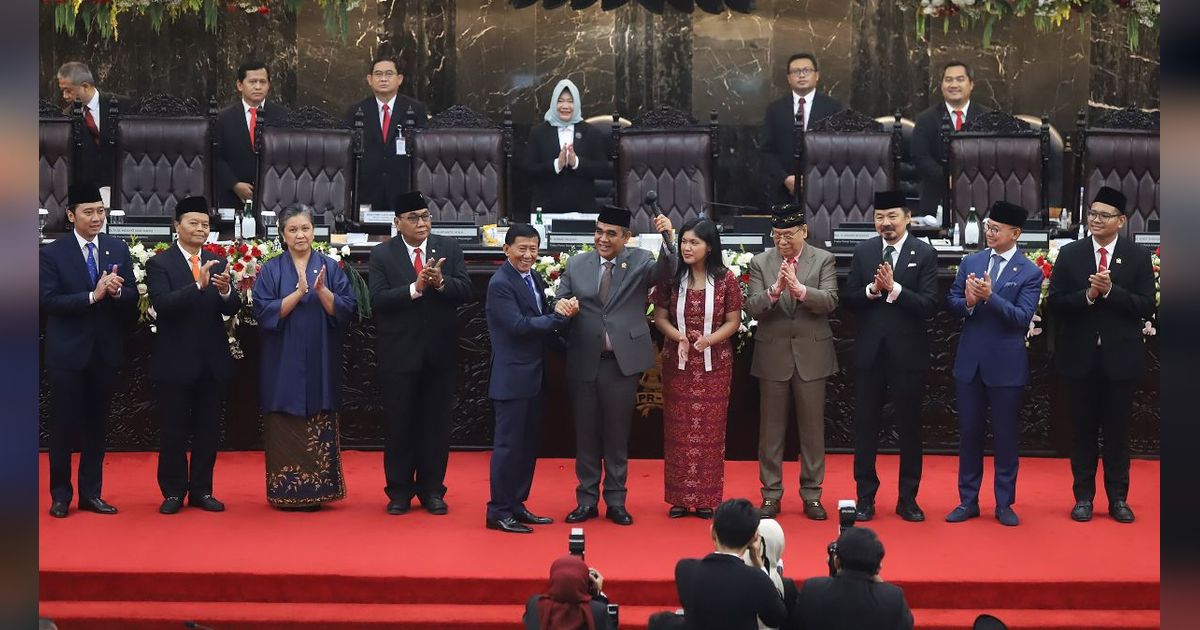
(720, 592)
(574, 599)
(854, 597)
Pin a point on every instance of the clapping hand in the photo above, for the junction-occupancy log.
(115, 282)
(1100, 283)
(102, 286)
(319, 283)
(572, 159)
(983, 288)
(883, 278)
(969, 290)
(205, 274)
(563, 155)
(433, 274)
(302, 282)
(221, 281)
(789, 278)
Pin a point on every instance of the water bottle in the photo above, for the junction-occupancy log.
(971, 229)
(539, 225)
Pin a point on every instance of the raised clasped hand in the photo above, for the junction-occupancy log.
(221, 281)
(969, 290)
(205, 274)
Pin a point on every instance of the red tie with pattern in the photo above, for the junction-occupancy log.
(387, 121)
(1103, 260)
(958, 120)
(253, 123)
(418, 264)
(91, 125)
(800, 113)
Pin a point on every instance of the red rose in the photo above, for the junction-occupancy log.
(554, 275)
(745, 277)
(257, 253)
(243, 248)
(263, 10)
(248, 258)
(1046, 271)
(341, 264)
(1157, 250)
(238, 267)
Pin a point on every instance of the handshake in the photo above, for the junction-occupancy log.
(567, 307)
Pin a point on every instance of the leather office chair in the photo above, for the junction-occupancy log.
(164, 153)
(605, 187)
(1121, 151)
(57, 160)
(461, 161)
(997, 157)
(908, 178)
(847, 157)
(309, 158)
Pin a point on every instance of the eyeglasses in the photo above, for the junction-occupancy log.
(1102, 216)
(801, 72)
(417, 218)
(994, 228)
(785, 237)
(383, 74)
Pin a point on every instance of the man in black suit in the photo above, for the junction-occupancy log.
(722, 592)
(855, 597)
(383, 172)
(98, 151)
(417, 281)
(778, 141)
(957, 82)
(82, 280)
(892, 286)
(190, 290)
(237, 129)
(1103, 289)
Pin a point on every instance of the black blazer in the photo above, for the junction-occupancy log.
(97, 160)
(77, 331)
(191, 340)
(778, 139)
(382, 174)
(902, 324)
(415, 334)
(1115, 320)
(571, 190)
(851, 601)
(599, 606)
(927, 152)
(235, 159)
(720, 592)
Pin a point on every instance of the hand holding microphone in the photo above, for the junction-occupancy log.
(661, 222)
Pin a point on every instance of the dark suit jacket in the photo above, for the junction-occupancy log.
(75, 330)
(902, 324)
(720, 592)
(927, 152)
(191, 340)
(1116, 320)
(778, 139)
(851, 601)
(519, 331)
(412, 335)
(572, 189)
(382, 174)
(235, 159)
(97, 160)
(993, 336)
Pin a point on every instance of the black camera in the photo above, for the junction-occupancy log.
(575, 542)
(846, 512)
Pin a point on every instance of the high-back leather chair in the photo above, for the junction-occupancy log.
(996, 157)
(908, 178)
(1054, 166)
(460, 162)
(604, 185)
(1121, 152)
(847, 157)
(57, 137)
(309, 158)
(163, 154)
(669, 152)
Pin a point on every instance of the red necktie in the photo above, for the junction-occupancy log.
(387, 122)
(958, 120)
(418, 266)
(253, 123)
(91, 125)
(1103, 259)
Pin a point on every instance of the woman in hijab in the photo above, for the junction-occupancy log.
(772, 552)
(574, 600)
(565, 156)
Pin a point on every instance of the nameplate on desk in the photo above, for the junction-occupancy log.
(850, 237)
(1147, 239)
(377, 217)
(320, 232)
(1034, 238)
(153, 231)
(748, 242)
(462, 233)
(226, 214)
(560, 240)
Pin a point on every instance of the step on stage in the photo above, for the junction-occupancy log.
(353, 566)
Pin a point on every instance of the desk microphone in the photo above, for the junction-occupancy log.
(652, 202)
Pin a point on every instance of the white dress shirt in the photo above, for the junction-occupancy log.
(93, 106)
(872, 292)
(566, 135)
(83, 250)
(808, 102)
(950, 108)
(246, 107)
(391, 105)
(412, 257)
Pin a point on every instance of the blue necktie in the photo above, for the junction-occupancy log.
(997, 263)
(533, 290)
(93, 270)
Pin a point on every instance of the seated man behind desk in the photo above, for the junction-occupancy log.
(720, 591)
(237, 165)
(855, 597)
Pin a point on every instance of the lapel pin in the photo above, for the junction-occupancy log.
(578, 136)
(624, 265)
(912, 252)
(1118, 260)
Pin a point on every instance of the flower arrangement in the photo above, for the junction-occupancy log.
(551, 266)
(739, 263)
(104, 15)
(1047, 14)
(1045, 260)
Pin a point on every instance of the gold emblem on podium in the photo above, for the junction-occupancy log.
(649, 394)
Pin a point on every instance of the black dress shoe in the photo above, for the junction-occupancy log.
(864, 511)
(170, 505)
(677, 511)
(582, 513)
(208, 503)
(704, 513)
(769, 508)
(96, 505)
(509, 525)
(435, 505)
(58, 509)
(1120, 511)
(910, 511)
(814, 510)
(1082, 511)
(529, 518)
(618, 515)
(398, 507)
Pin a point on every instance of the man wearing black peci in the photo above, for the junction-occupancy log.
(417, 281)
(778, 140)
(383, 172)
(892, 288)
(1102, 289)
(237, 124)
(957, 82)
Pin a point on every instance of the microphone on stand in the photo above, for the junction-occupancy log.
(652, 201)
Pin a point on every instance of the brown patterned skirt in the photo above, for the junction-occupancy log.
(304, 460)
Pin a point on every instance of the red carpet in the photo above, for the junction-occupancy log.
(353, 566)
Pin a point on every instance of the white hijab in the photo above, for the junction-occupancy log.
(773, 544)
(552, 111)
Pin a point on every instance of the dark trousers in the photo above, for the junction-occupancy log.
(79, 408)
(974, 400)
(417, 407)
(1100, 407)
(188, 411)
(872, 387)
(514, 454)
(603, 418)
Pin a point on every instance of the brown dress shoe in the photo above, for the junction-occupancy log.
(769, 508)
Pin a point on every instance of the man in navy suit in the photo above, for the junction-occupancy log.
(89, 295)
(520, 322)
(191, 365)
(996, 293)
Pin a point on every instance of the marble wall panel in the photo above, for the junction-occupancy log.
(332, 71)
